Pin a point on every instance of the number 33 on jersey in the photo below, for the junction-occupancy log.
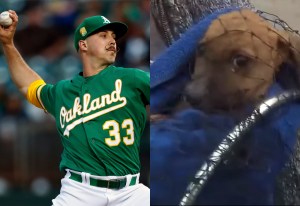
(101, 117)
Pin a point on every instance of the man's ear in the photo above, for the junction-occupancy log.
(82, 45)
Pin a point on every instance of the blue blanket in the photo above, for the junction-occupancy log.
(180, 144)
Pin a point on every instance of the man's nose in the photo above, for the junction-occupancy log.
(112, 40)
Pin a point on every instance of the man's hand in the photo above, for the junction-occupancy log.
(7, 33)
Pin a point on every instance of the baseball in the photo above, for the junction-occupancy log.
(5, 19)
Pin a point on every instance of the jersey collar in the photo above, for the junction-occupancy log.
(78, 79)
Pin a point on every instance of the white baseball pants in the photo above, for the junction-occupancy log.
(74, 193)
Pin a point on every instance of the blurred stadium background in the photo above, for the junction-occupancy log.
(30, 147)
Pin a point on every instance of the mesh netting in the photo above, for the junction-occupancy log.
(237, 61)
(238, 47)
(240, 131)
(174, 17)
(238, 64)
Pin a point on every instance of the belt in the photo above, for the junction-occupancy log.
(109, 184)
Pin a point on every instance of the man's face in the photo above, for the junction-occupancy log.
(102, 46)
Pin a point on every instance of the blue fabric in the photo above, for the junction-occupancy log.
(180, 144)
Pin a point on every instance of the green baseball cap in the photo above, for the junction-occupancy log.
(95, 23)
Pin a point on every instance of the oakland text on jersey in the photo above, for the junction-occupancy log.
(88, 106)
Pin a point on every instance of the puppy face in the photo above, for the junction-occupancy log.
(235, 63)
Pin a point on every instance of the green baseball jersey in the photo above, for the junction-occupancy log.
(100, 119)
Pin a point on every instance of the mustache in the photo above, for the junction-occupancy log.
(112, 48)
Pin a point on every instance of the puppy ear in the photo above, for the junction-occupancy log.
(294, 49)
(288, 75)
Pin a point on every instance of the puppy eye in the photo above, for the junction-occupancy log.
(200, 49)
(240, 61)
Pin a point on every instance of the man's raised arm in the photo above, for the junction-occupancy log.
(21, 74)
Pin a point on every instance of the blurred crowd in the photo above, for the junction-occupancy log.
(44, 37)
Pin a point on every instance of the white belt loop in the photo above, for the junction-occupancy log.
(87, 178)
(138, 178)
(128, 180)
(83, 178)
(68, 174)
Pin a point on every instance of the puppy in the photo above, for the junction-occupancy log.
(236, 62)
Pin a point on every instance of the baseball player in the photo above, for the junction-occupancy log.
(100, 115)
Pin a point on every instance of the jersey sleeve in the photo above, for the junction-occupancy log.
(142, 82)
(46, 97)
(31, 95)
